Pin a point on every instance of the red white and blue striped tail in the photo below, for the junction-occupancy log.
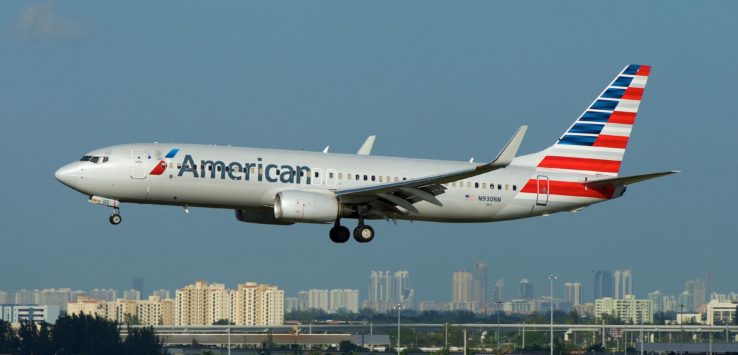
(596, 142)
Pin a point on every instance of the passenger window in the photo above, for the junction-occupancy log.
(484, 185)
(499, 186)
(515, 188)
(507, 187)
(228, 169)
(380, 178)
(330, 175)
(275, 172)
(476, 185)
(403, 179)
(261, 171)
(468, 184)
(366, 178)
(389, 179)
(317, 174)
(218, 167)
(358, 177)
(453, 184)
(340, 176)
(397, 179)
(179, 165)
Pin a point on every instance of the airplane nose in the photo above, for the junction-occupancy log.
(68, 174)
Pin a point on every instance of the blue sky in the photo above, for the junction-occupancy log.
(447, 80)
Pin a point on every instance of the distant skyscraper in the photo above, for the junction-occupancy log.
(623, 282)
(526, 289)
(138, 284)
(696, 288)
(461, 291)
(657, 298)
(402, 292)
(479, 286)
(3, 297)
(162, 294)
(346, 300)
(131, 295)
(603, 283)
(386, 290)
(290, 304)
(318, 299)
(302, 300)
(24, 297)
(108, 295)
(685, 302)
(500, 290)
(573, 293)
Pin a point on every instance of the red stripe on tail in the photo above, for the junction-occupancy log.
(604, 140)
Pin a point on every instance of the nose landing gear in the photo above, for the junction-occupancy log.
(115, 218)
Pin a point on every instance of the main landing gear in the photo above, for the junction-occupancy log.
(362, 233)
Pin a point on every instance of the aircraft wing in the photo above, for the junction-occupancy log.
(407, 192)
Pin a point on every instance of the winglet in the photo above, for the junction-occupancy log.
(506, 156)
(366, 148)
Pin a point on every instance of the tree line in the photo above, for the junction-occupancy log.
(77, 334)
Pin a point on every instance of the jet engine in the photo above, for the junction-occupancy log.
(261, 215)
(305, 206)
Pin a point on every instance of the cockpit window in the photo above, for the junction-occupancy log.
(95, 159)
(105, 159)
(86, 158)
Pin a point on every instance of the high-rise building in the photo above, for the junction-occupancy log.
(386, 290)
(194, 304)
(258, 305)
(721, 313)
(684, 302)
(670, 304)
(603, 284)
(345, 300)
(162, 294)
(479, 286)
(380, 291)
(696, 288)
(55, 297)
(131, 295)
(500, 290)
(108, 295)
(3, 297)
(461, 291)
(138, 284)
(526, 289)
(628, 309)
(573, 293)
(302, 300)
(318, 299)
(657, 299)
(155, 311)
(290, 304)
(623, 283)
(24, 297)
(402, 293)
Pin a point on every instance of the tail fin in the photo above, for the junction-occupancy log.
(596, 142)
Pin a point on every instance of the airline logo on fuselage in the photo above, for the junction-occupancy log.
(234, 170)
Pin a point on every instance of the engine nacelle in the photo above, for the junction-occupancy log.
(261, 215)
(305, 206)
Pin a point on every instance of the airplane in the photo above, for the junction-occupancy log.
(283, 187)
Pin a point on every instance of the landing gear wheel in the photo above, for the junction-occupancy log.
(340, 234)
(363, 233)
(115, 219)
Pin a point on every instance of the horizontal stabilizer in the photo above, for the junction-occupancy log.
(627, 180)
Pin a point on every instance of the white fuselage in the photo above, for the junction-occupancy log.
(249, 178)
